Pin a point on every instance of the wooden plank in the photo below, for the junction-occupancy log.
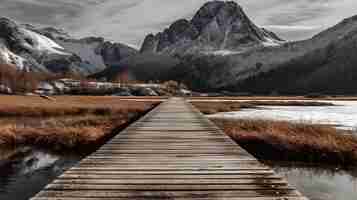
(156, 198)
(109, 181)
(177, 157)
(247, 195)
(160, 176)
(166, 162)
(162, 172)
(173, 152)
(163, 187)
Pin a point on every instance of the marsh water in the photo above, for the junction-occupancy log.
(318, 182)
(26, 170)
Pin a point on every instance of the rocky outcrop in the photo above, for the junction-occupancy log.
(218, 25)
(113, 53)
(11, 33)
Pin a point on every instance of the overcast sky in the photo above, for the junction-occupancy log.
(129, 21)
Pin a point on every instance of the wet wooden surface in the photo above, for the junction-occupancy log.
(174, 152)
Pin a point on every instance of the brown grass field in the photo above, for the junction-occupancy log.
(34, 106)
(67, 122)
(207, 107)
(278, 140)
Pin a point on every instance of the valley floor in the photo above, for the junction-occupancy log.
(80, 122)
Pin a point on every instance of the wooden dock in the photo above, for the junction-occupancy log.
(174, 152)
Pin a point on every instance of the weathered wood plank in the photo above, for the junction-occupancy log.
(156, 198)
(185, 177)
(163, 187)
(247, 195)
(162, 172)
(102, 181)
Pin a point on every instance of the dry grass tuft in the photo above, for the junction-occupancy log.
(292, 141)
(34, 106)
(216, 107)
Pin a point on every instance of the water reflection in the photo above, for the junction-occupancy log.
(320, 183)
(25, 171)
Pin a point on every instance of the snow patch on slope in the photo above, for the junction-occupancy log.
(224, 52)
(87, 52)
(270, 42)
(44, 44)
(9, 57)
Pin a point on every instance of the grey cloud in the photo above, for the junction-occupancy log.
(130, 20)
(42, 12)
(297, 16)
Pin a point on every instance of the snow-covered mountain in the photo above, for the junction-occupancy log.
(219, 27)
(51, 50)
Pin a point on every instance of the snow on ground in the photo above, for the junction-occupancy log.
(270, 42)
(343, 115)
(224, 52)
(44, 44)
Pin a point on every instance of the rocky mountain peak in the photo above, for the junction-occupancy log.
(217, 25)
(54, 33)
(6, 22)
(11, 34)
(221, 11)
